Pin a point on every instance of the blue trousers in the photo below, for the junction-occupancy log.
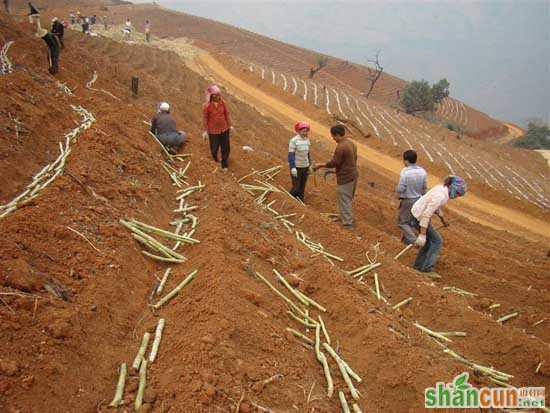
(429, 253)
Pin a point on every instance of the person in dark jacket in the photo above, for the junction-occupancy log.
(59, 30)
(163, 126)
(50, 39)
(7, 6)
(344, 161)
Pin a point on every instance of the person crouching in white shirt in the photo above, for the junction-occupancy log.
(429, 241)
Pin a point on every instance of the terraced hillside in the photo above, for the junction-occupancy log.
(78, 295)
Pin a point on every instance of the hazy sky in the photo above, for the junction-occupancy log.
(495, 53)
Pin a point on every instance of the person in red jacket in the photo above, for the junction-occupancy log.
(217, 124)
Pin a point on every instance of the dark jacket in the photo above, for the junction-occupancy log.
(53, 43)
(57, 28)
(163, 123)
(345, 162)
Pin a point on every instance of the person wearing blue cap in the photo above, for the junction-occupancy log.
(428, 240)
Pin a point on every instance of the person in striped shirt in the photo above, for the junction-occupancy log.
(413, 183)
(299, 159)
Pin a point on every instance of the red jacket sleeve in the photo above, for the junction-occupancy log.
(205, 117)
(226, 113)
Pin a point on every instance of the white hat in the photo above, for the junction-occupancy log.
(164, 106)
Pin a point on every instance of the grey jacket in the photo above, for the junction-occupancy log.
(163, 123)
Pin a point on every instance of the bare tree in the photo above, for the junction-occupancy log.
(321, 61)
(373, 74)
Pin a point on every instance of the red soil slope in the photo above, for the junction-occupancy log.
(225, 333)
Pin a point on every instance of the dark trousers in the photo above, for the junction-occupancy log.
(53, 58)
(299, 183)
(220, 141)
(60, 38)
(7, 6)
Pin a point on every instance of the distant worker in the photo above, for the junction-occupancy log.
(49, 38)
(85, 24)
(72, 18)
(163, 126)
(127, 30)
(147, 30)
(59, 30)
(93, 19)
(299, 159)
(7, 6)
(429, 241)
(345, 162)
(413, 183)
(217, 125)
(104, 21)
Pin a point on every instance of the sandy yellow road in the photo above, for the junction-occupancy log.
(473, 207)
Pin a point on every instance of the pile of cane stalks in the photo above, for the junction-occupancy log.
(51, 171)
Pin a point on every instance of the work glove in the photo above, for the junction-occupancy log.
(205, 135)
(294, 172)
(420, 241)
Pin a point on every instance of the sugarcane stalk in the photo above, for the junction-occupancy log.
(159, 246)
(538, 367)
(312, 301)
(323, 360)
(377, 285)
(381, 296)
(280, 294)
(402, 303)
(356, 408)
(499, 382)
(539, 322)
(161, 145)
(343, 402)
(300, 335)
(403, 251)
(142, 383)
(175, 291)
(432, 333)
(163, 280)
(493, 306)
(343, 371)
(150, 245)
(141, 352)
(119, 393)
(290, 288)
(301, 320)
(156, 341)
(507, 317)
(453, 333)
(166, 234)
(459, 291)
(363, 270)
(343, 362)
(163, 259)
(324, 330)
(246, 176)
(286, 216)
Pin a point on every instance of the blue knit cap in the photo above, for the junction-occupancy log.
(457, 186)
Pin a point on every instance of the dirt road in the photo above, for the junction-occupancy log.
(513, 133)
(472, 207)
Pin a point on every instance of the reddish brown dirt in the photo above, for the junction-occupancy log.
(226, 332)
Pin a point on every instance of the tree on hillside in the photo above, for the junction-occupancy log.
(417, 96)
(320, 62)
(440, 90)
(537, 137)
(374, 74)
